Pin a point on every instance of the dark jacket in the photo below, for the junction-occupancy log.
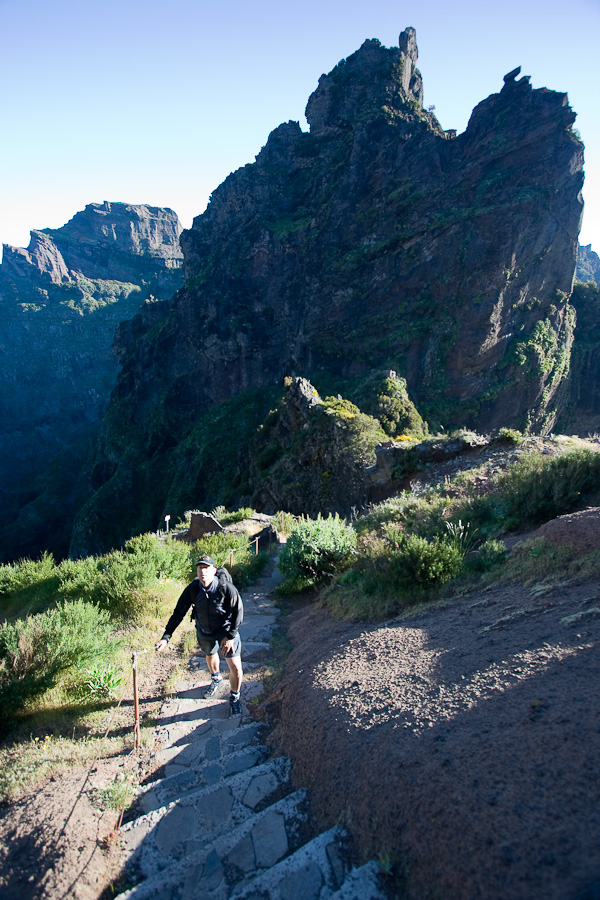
(221, 610)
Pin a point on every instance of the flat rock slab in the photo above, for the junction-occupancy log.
(313, 872)
(363, 883)
(258, 628)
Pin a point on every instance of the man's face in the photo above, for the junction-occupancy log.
(206, 574)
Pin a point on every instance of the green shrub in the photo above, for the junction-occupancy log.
(533, 490)
(419, 515)
(284, 521)
(317, 548)
(486, 515)
(159, 558)
(29, 585)
(511, 435)
(224, 517)
(25, 573)
(424, 564)
(35, 651)
(490, 554)
(103, 680)
(536, 489)
(115, 581)
(395, 571)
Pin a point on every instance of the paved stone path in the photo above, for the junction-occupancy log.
(223, 819)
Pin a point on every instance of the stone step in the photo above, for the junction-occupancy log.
(254, 845)
(253, 648)
(314, 872)
(363, 883)
(168, 834)
(192, 750)
(258, 627)
(209, 772)
(258, 604)
(189, 715)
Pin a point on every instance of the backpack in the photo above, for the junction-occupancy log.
(224, 576)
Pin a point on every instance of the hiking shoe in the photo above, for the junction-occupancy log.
(235, 707)
(215, 684)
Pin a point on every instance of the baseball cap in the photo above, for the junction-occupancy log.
(206, 561)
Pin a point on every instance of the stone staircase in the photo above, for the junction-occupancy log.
(224, 819)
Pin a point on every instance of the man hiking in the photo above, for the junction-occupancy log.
(218, 611)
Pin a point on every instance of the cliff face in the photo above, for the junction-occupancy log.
(376, 239)
(588, 265)
(61, 300)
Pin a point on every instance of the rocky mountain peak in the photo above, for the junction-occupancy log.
(374, 82)
(137, 229)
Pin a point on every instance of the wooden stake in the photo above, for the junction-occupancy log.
(137, 741)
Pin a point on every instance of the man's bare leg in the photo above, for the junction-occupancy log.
(213, 663)
(236, 674)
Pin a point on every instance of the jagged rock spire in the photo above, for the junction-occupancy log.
(412, 83)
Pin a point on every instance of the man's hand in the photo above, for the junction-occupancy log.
(160, 645)
(226, 646)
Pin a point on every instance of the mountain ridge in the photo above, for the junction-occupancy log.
(61, 300)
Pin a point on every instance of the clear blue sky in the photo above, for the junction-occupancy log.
(148, 101)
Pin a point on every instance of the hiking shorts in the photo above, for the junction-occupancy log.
(210, 643)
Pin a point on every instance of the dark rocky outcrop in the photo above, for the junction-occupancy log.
(375, 240)
(582, 413)
(311, 454)
(61, 300)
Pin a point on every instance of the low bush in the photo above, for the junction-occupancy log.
(398, 570)
(118, 580)
(317, 549)
(533, 490)
(219, 547)
(419, 515)
(25, 573)
(536, 489)
(424, 564)
(510, 435)
(225, 517)
(284, 521)
(489, 555)
(36, 650)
